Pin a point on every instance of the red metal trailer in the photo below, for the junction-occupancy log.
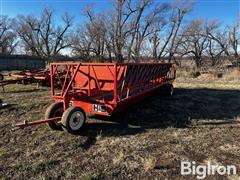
(88, 89)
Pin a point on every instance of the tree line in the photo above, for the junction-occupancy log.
(132, 30)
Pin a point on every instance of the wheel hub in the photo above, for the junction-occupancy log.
(76, 120)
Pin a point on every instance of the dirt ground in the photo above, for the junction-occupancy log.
(146, 141)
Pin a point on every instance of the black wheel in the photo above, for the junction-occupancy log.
(1, 77)
(54, 110)
(24, 81)
(73, 120)
(168, 90)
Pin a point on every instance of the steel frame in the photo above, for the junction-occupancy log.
(112, 85)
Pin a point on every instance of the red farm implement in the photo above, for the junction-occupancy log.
(38, 75)
(88, 89)
(28, 76)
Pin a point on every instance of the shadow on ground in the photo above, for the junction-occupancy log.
(158, 112)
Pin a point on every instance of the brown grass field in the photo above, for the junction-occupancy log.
(146, 141)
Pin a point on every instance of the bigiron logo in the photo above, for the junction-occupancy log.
(202, 171)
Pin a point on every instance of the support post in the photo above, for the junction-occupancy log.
(115, 83)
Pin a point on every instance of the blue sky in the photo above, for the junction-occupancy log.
(224, 10)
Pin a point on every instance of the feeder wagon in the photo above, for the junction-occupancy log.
(88, 89)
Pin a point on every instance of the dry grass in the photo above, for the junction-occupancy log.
(146, 141)
(230, 80)
(149, 163)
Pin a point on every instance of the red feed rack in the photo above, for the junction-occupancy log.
(106, 88)
(87, 89)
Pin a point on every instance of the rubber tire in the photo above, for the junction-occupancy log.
(168, 90)
(67, 116)
(50, 113)
(1, 77)
(24, 82)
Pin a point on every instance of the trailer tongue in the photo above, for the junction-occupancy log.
(26, 123)
(87, 89)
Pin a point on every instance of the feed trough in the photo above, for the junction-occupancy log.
(88, 89)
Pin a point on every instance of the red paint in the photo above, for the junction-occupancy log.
(112, 85)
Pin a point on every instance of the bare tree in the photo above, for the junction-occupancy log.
(80, 43)
(226, 40)
(220, 37)
(234, 40)
(130, 29)
(214, 52)
(135, 23)
(216, 45)
(154, 39)
(40, 36)
(146, 28)
(182, 7)
(8, 37)
(195, 41)
(125, 29)
(179, 10)
(90, 39)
